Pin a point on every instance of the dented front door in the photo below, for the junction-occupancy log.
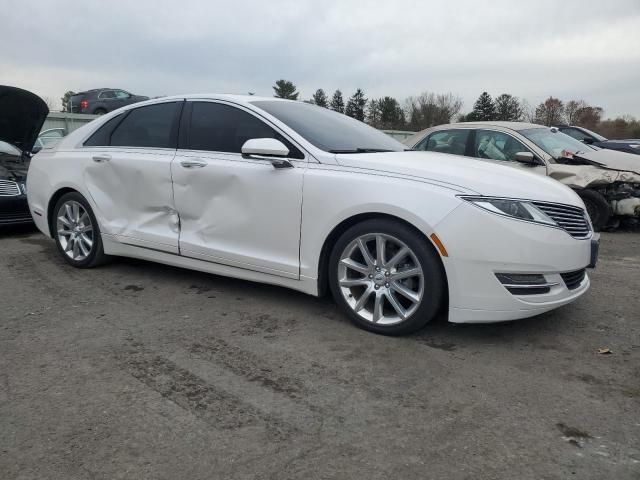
(132, 191)
(239, 212)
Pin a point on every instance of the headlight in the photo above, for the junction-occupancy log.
(520, 209)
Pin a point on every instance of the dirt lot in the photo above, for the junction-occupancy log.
(137, 370)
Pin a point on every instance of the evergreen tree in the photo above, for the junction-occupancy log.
(320, 98)
(483, 109)
(285, 89)
(373, 113)
(356, 105)
(337, 103)
(508, 108)
(391, 114)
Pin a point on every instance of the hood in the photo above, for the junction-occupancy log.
(465, 175)
(612, 160)
(22, 115)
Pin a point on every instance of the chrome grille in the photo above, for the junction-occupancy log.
(9, 188)
(571, 219)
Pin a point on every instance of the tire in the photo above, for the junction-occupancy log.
(403, 294)
(598, 208)
(99, 111)
(81, 244)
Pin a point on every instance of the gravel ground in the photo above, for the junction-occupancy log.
(137, 370)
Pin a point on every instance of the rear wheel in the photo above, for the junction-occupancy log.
(386, 277)
(99, 111)
(77, 233)
(598, 208)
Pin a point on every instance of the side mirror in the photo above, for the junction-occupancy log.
(267, 149)
(527, 157)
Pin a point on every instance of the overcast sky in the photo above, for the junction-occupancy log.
(571, 49)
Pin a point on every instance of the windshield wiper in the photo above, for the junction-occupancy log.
(362, 150)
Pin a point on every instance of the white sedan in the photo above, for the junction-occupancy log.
(291, 194)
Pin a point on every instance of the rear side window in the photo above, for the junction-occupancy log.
(221, 128)
(577, 134)
(446, 141)
(107, 94)
(150, 126)
(100, 137)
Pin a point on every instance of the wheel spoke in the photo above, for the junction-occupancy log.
(354, 282)
(397, 257)
(365, 252)
(75, 249)
(396, 305)
(84, 219)
(63, 220)
(86, 240)
(85, 250)
(68, 213)
(410, 272)
(378, 307)
(363, 299)
(86, 228)
(75, 208)
(69, 244)
(64, 232)
(405, 292)
(353, 265)
(381, 244)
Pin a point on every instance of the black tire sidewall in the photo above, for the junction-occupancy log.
(434, 277)
(96, 256)
(598, 208)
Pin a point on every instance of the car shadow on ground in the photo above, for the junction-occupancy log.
(17, 230)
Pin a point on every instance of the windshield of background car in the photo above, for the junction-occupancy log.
(328, 130)
(554, 142)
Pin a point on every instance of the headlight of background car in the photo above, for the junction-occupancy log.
(520, 209)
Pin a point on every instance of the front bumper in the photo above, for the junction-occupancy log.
(481, 244)
(14, 210)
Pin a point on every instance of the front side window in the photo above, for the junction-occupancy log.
(121, 94)
(221, 128)
(577, 134)
(446, 141)
(149, 126)
(497, 146)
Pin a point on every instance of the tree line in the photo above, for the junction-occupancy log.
(429, 109)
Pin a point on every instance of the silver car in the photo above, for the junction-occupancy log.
(608, 181)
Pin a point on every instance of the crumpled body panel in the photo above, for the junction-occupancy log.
(133, 192)
(587, 176)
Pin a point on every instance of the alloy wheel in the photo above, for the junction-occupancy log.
(380, 278)
(75, 230)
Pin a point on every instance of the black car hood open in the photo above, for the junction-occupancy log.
(22, 115)
(13, 168)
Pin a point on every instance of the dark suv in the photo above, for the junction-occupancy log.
(102, 100)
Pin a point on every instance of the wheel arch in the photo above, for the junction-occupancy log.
(52, 204)
(344, 225)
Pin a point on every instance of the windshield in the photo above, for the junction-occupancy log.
(554, 142)
(9, 149)
(328, 130)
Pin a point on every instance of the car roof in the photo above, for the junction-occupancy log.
(510, 125)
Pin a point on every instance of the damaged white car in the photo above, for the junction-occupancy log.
(296, 195)
(608, 181)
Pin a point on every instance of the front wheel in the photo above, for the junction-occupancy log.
(386, 277)
(598, 208)
(76, 232)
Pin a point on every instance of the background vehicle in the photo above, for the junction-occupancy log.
(102, 100)
(591, 138)
(607, 181)
(47, 137)
(22, 114)
(223, 193)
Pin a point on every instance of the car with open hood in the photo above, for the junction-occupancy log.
(22, 115)
(296, 195)
(608, 181)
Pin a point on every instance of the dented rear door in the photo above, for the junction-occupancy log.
(129, 178)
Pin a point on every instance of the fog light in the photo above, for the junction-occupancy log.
(525, 283)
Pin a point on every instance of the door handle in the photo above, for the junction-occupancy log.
(193, 163)
(101, 158)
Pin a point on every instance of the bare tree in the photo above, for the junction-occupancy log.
(550, 112)
(51, 103)
(429, 109)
